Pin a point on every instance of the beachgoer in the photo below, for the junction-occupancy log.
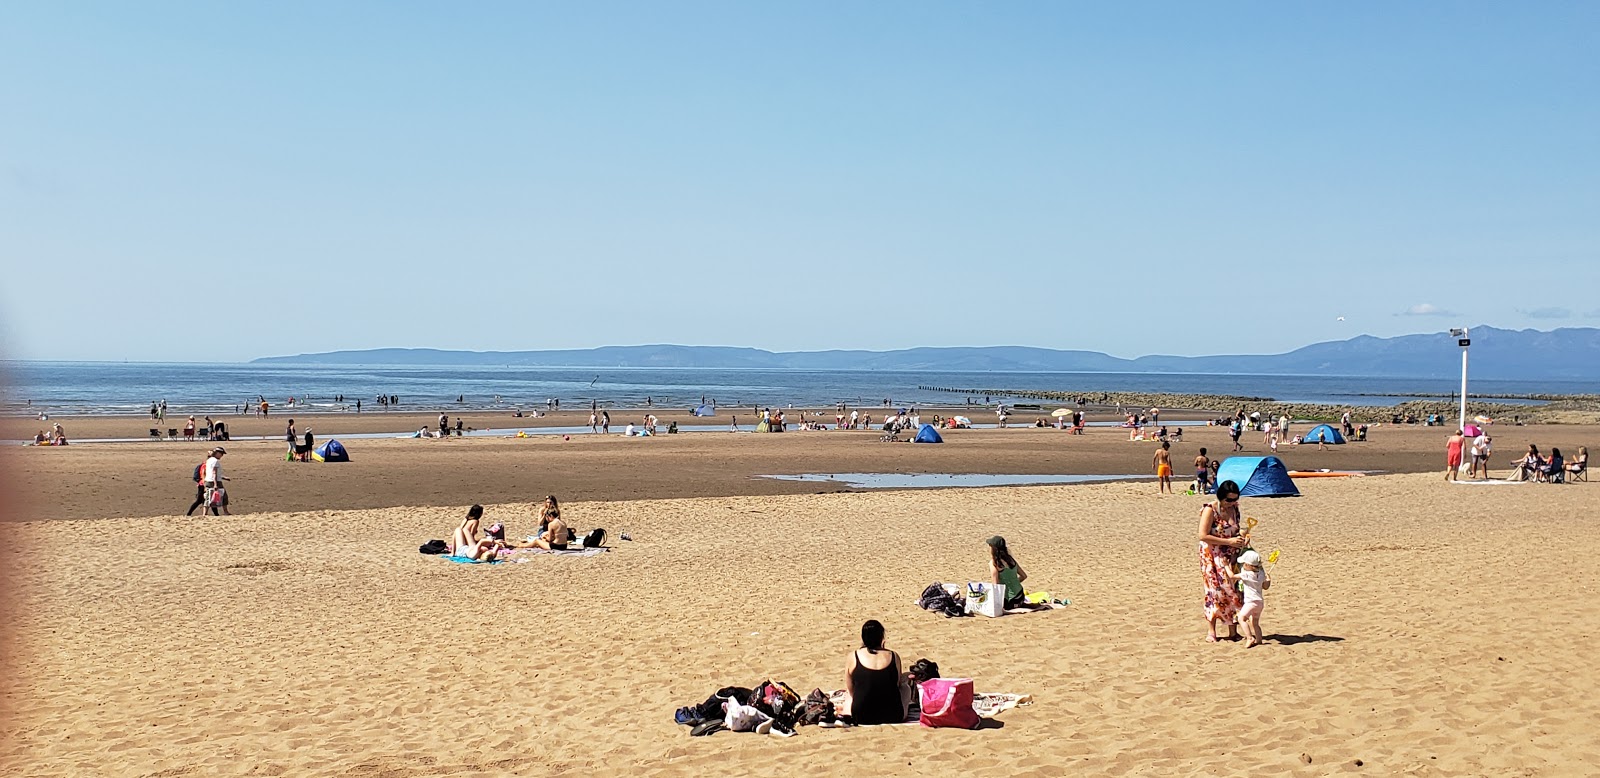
(1252, 579)
(1163, 463)
(1234, 431)
(1480, 456)
(1004, 571)
(465, 541)
(305, 450)
(1580, 462)
(594, 423)
(1552, 466)
(292, 438)
(188, 429)
(553, 535)
(1202, 472)
(1452, 455)
(1525, 468)
(605, 422)
(1219, 546)
(200, 489)
(733, 426)
(211, 477)
(878, 692)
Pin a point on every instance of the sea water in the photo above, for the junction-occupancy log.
(220, 389)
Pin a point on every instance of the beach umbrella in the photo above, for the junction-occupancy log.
(1061, 412)
(1483, 420)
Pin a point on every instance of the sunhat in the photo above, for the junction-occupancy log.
(1250, 557)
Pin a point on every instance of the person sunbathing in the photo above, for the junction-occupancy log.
(554, 534)
(879, 693)
(466, 542)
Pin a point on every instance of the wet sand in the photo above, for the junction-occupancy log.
(152, 478)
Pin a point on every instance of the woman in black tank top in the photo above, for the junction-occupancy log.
(878, 692)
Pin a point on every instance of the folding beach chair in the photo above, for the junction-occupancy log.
(172, 433)
(155, 433)
(1581, 474)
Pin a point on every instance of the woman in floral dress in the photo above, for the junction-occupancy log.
(1220, 544)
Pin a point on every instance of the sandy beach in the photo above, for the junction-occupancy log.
(1415, 627)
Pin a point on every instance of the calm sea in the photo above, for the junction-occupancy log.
(121, 388)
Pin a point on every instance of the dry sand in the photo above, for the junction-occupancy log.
(1415, 627)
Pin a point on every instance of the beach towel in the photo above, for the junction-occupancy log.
(987, 704)
(463, 560)
(525, 552)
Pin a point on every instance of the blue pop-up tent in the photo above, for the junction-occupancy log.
(705, 410)
(1258, 476)
(928, 435)
(1322, 433)
(331, 451)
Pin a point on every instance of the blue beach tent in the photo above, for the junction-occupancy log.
(1258, 476)
(705, 410)
(331, 451)
(1324, 434)
(928, 435)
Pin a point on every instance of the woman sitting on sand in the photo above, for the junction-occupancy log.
(553, 534)
(1004, 570)
(878, 692)
(466, 542)
(1220, 544)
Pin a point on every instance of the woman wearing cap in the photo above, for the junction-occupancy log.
(1004, 570)
(1220, 544)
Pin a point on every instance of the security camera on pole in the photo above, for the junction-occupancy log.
(1463, 341)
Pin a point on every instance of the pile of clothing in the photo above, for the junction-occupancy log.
(771, 708)
(938, 598)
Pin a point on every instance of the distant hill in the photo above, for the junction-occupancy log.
(1568, 353)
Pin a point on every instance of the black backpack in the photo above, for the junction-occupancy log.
(595, 539)
(434, 547)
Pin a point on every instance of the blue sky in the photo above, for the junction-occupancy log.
(225, 181)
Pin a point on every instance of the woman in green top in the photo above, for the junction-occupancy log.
(1003, 569)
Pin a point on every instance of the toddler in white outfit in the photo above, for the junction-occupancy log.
(1253, 580)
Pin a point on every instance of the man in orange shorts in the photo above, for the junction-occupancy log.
(1164, 468)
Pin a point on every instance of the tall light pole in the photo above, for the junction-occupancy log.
(1463, 341)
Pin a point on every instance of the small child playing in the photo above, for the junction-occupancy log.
(1253, 578)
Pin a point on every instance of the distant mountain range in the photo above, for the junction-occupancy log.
(1567, 353)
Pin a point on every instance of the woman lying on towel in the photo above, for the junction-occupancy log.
(466, 541)
(879, 692)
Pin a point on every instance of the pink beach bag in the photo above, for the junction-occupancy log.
(947, 702)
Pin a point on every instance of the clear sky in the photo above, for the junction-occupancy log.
(221, 181)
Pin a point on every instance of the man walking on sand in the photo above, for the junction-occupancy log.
(1163, 462)
(211, 476)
